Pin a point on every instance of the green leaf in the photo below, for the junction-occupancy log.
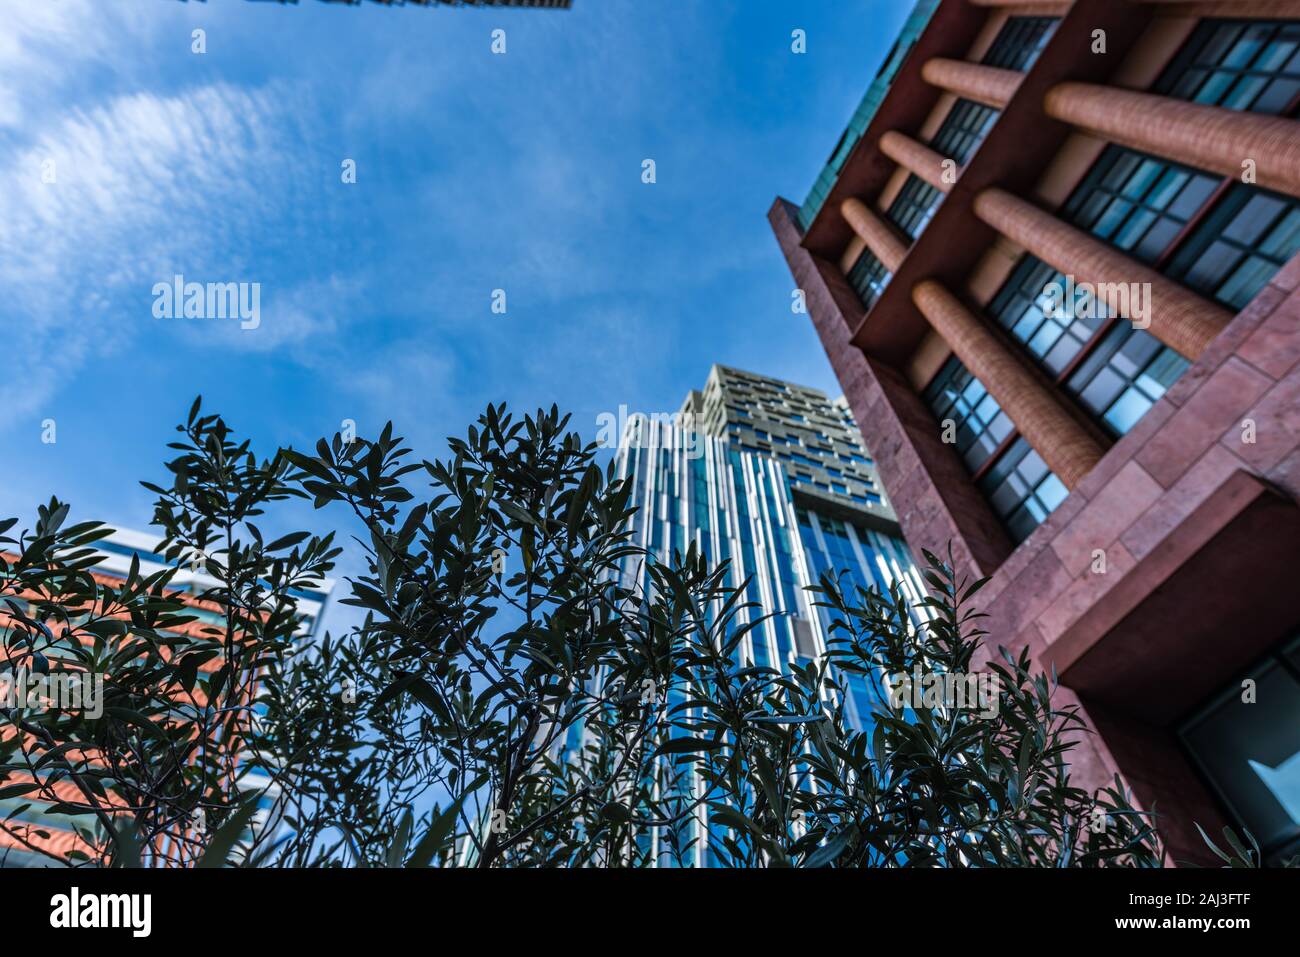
(397, 850)
(225, 838)
(687, 746)
(828, 852)
(440, 829)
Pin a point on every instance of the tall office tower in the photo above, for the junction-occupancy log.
(816, 440)
(55, 833)
(774, 480)
(1056, 275)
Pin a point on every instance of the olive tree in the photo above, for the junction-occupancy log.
(523, 686)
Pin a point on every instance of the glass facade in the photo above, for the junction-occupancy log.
(1246, 742)
(742, 508)
(914, 206)
(981, 426)
(869, 277)
(816, 440)
(963, 130)
(1239, 64)
(916, 23)
(1019, 42)
(1014, 478)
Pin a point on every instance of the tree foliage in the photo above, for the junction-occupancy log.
(515, 694)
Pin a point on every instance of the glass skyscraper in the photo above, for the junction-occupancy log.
(714, 478)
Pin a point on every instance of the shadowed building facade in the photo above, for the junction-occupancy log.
(1055, 272)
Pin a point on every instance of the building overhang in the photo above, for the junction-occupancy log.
(1019, 147)
(1214, 596)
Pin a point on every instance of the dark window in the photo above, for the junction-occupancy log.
(1125, 376)
(1019, 486)
(963, 129)
(1020, 42)
(1238, 64)
(1052, 328)
(913, 208)
(869, 277)
(1138, 202)
(981, 425)
(1237, 249)
(1250, 751)
(1022, 489)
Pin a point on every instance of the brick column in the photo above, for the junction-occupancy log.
(990, 85)
(915, 157)
(1209, 137)
(1064, 444)
(927, 481)
(1178, 317)
(875, 232)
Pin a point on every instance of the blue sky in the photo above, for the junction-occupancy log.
(475, 171)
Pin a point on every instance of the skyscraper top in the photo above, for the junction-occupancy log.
(816, 439)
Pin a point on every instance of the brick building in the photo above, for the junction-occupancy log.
(1054, 268)
(28, 825)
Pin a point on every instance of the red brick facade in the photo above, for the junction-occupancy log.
(1172, 565)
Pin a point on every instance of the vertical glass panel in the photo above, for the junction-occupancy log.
(1251, 753)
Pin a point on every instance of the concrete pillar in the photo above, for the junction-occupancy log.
(1172, 313)
(1067, 448)
(917, 158)
(1208, 137)
(879, 236)
(940, 507)
(990, 85)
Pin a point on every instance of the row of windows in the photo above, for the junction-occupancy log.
(1019, 485)
(914, 206)
(1239, 64)
(1249, 236)
(1022, 489)
(978, 424)
(1143, 205)
(1225, 239)
(1020, 42)
(963, 130)
(1016, 47)
(1138, 203)
(869, 278)
(1127, 372)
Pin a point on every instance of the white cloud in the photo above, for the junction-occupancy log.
(146, 186)
(47, 44)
